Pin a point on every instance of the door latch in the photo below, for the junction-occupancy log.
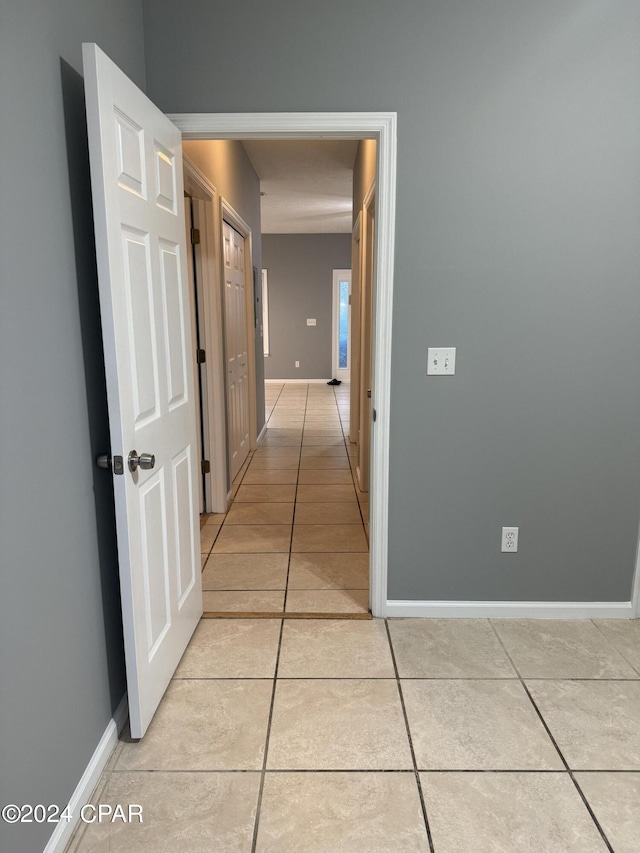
(110, 463)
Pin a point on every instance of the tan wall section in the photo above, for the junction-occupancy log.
(226, 164)
(364, 173)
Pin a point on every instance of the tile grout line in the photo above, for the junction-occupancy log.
(245, 465)
(413, 754)
(295, 503)
(256, 824)
(433, 770)
(355, 485)
(385, 678)
(352, 472)
(215, 538)
(553, 740)
(614, 646)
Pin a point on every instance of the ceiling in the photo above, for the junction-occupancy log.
(308, 184)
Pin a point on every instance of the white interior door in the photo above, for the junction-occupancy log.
(366, 342)
(237, 360)
(354, 390)
(341, 326)
(136, 173)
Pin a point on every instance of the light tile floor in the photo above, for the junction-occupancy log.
(295, 538)
(332, 735)
(449, 736)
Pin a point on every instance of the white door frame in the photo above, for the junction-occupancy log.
(208, 274)
(382, 127)
(354, 390)
(231, 216)
(366, 296)
(336, 371)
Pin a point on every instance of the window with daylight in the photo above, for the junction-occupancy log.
(265, 313)
(343, 325)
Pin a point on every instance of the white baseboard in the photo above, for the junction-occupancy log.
(82, 794)
(296, 381)
(635, 595)
(512, 609)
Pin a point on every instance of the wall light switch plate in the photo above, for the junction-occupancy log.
(311, 322)
(441, 361)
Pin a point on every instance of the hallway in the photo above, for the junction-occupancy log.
(295, 539)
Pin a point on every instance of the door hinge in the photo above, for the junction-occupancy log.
(201, 356)
(195, 236)
(206, 466)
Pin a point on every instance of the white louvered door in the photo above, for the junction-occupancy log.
(137, 182)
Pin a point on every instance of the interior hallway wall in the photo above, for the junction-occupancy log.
(62, 663)
(364, 173)
(226, 164)
(516, 242)
(300, 282)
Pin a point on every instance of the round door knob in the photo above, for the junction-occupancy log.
(144, 461)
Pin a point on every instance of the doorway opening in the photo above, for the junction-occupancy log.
(372, 385)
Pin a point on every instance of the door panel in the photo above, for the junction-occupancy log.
(136, 172)
(174, 321)
(356, 266)
(182, 474)
(236, 347)
(366, 329)
(198, 382)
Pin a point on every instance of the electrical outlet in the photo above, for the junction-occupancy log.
(509, 539)
(311, 322)
(296, 364)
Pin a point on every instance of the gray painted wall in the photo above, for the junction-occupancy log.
(517, 242)
(300, 276)
(227, 165)
(61, 667)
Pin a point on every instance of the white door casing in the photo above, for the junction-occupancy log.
(354, 390)
(205, 205)
(193, 309)
(381, 126)
(137, 182)
(235, 299)
(367, 379)
(338, 372)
